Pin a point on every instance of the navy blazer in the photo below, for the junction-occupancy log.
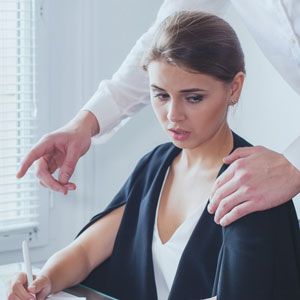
(255, 258)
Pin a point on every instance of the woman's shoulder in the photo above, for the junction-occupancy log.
(160, 154)
(239, 141)
(263, 226)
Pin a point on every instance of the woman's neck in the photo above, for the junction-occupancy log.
(209, 155)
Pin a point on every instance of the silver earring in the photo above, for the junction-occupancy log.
(232, 101)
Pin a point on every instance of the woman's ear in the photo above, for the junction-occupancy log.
(236, 88)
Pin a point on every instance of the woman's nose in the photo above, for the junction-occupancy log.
(175, 111)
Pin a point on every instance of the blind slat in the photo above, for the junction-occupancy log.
(18, 218)
(19, 84)
(18, 111)
(17, 147)
(28, 181)
(16, 227)
(17, 128)
(18, 93)
(19, 191)
(19, 119)
(7, 174)
(18, 209)
(16, 102)
(19, 137)
(18, 200)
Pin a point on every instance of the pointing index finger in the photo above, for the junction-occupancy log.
(37, 152)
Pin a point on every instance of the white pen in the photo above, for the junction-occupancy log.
(27, 262)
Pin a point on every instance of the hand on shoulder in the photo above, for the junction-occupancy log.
(257, 179)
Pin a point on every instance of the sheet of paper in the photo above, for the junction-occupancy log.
(64, 296)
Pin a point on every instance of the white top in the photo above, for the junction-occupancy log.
(274, 24)
(166, 256)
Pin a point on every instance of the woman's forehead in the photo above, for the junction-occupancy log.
(166, 75)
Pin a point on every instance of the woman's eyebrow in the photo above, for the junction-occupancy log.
(182, 91)
(193, 90)
(157, 87)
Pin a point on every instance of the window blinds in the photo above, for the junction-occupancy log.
(18, 198)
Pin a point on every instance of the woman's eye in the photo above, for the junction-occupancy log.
(161, 96)
(195, 99)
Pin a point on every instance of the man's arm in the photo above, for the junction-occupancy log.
(114, 102)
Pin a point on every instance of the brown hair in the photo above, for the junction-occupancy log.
(199, 42)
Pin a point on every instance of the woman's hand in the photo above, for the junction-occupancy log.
(18, 289)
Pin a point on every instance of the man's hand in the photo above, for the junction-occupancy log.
(257, 179)
(61, 149)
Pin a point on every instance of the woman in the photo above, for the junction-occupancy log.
(156, 239)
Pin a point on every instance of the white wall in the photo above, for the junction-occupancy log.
(84, 42)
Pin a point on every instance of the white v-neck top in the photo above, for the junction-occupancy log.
(166, 256)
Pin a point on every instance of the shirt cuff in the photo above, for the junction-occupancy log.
(292, 153)
(107, 113)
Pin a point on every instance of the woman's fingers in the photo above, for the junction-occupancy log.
(16, 288)
(41, 287)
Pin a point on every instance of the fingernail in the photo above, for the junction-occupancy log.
(222, 222)
(70, 187)
(209, 208)
(217, 221)
(65, 177)
(32, 287)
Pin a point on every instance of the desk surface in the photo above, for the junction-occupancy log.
(7, 271)
(90, 294)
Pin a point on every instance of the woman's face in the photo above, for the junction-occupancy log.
(191, 107)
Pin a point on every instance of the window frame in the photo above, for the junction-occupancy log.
(11, 241)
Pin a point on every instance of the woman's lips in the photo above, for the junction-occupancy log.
(179, 135)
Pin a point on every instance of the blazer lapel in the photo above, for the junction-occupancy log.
(147, 217)
(197, 267)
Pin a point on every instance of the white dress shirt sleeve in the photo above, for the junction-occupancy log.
(117, 99)
(292, 153)
(275, 25)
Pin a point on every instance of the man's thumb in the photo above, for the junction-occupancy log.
(67, 168)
